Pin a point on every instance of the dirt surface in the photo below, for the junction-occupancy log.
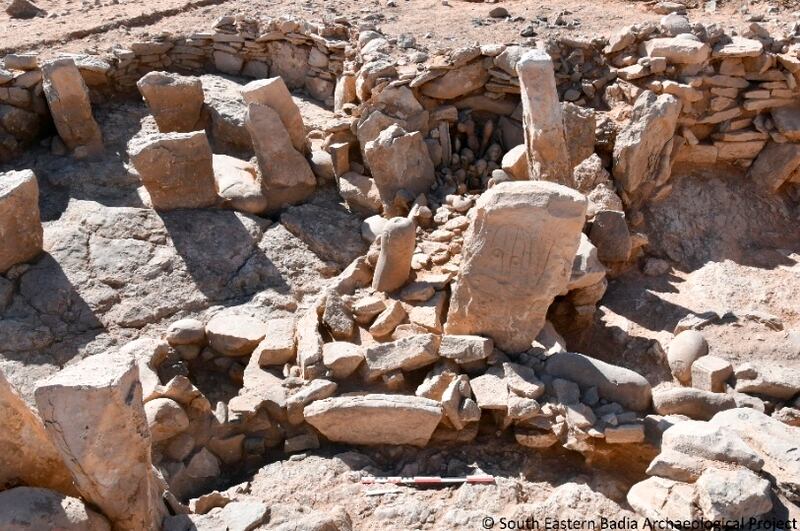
(83, 26)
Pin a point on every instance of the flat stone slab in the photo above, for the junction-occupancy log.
(375, 419)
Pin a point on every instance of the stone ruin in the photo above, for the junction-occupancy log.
(403, 272)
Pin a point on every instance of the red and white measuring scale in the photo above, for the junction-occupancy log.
(428, 480)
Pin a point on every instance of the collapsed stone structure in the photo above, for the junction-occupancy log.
(492, 222)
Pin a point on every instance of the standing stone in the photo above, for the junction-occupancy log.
(93, 412)
(286, 176)
(548, 158)
(27, 456)
(175, 100)
(273, 93)
(517, 257)
(682, 352)
(394, 261)
(176, 169)
(643, 147)
(70, 107)
(399, 161)
(20, 225)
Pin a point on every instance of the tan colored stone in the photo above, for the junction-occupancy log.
(678, 50)
(238, 184)
(394, 260)
(94, 414)
(70, 107)
(234, 335)
(176, 169)
(27, 455)
(174, 100)
(375, 419)
(278, 346)
(20, 225)
(548, 157)
(408, 354)
(28, 508)
(517, 257)
(273, 93)
(457, 82)
(342, 358)
(515, 163)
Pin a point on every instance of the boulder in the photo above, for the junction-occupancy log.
(709, 441)
(175, 101)
(273, 93)
(399, 161)
(732, 495)
(692, 402)
(683, 351)
(643, 147)
(775, 164)
(30, 508)
(360, 193)
(227, 111)
(710, 373)
(548, 156)
(457, 82)
(517, 256)
(787, 121)
(176, 169)
(491, 389)
(94, 414)
(234, 335)
(186, 332)
(515, 163)
(663, 499)
(70, 107)
(398, 239)
(238, 184)
(21, 230)
(586, 267)
(579, 128)
(27, 455)
(165, 418)
(286, 176)
(279, 344)
(24, 9)
(375, 419)
(342, 358)
(614, 383)
(775, 442)
(465, 349)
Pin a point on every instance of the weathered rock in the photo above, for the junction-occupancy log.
(579, 128)
(342, 358)
(679, 50)
(399, 161)
(614, 383)
(491, 389)
(465, 349)
(787, 121)
(278, 346)
(375, 419)
(360, 193)
(186, 332)
(692, 402)
(589, 173)
(678, 466)
(457, 82)
(28, 508)
(174, 100)
(732, 495)
(611, 236)
(708, 441)
(663, 499)
(643, 147)
(624, 434)
(93, 412)
(70, 107)
(314, 390)
(388, 320)
(20, 225)
(515, 163)
(394, 260)
(27, 455)
(586, 268)
(24, 9)
(682, 352)
(234, 335)
(176, 169)
(772, 440)
(710, 373)
(166, 418)
(517, 257)
(775, 165)
(286, 176)
(273, 93)
(408, 353)
(227, 111)
(548, 157)
(238, 184)
(774, 381)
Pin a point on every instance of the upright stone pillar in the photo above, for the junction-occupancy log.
(394, 261)
(71, 108)
(543, 124)
(176, 169)
(94, 414)
(27, 456)
(517, 257)
(176, 101)
(273, 93)
(20, 225)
